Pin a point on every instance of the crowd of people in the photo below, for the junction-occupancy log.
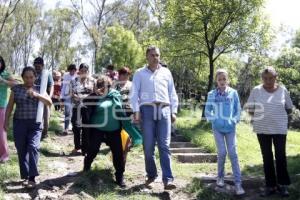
(103, 108)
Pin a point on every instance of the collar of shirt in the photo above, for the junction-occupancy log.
(222, 93)
(157, 69)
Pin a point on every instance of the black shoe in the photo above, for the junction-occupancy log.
(120, 182)
(268, 191)
(86, 165)
(283, 191)
(150, 180)
(169, 186)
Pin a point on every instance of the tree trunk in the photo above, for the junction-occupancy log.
(210, 81)
(94, 66)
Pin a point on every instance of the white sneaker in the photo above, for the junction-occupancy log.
(220, 182)
(239, 190)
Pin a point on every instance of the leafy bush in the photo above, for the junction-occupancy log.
(295, 119)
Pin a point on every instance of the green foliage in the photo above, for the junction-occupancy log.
(288, 67)
(197, 35)
(55, 33)
(296, 39)
(205, 192)
(295, 119)
(17, 37)
(121, 47)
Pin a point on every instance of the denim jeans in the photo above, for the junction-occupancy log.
(156, 128)
(226, 142)
(67, 112)
(27, 135)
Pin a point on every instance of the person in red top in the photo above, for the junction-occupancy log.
(57, 90)
(111, 73)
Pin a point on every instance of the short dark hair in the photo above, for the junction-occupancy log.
(3, 66)
(39, 61)
(124, 70)
(103, 81)
(83, 65)
(150, 48)
(27, 69)
(71, 67)
(110, 66)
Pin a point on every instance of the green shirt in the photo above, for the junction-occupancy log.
(109, 116)
(4, 89)
(104, 116)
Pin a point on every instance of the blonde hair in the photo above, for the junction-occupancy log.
(221, 71)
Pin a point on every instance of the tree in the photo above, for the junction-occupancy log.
(134, 16)
(218, 26)
(288, 67)
(7, 8)
(121, 47)
(55, 34)
(16, 40)
(296, 39)
(95, 24)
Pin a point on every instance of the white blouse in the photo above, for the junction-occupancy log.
(270, 116)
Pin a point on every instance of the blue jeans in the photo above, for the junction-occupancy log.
(27, 135)
(230, 140)
(68, 112)
(156, 126)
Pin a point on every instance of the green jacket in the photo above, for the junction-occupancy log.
(95, 114)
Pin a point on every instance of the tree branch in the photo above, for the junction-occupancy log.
(8, 13)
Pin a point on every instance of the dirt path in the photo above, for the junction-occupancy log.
(61, 176)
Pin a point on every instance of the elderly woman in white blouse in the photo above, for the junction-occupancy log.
(269, 104)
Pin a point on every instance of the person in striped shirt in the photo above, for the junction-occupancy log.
(269, 105)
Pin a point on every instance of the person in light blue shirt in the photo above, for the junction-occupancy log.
(223, 110)
(154, 101)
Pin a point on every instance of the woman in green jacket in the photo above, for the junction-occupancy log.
(104, 118)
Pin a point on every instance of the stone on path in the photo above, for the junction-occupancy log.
(196, 157)
(17, 196)
(181, 145)
(186, 152)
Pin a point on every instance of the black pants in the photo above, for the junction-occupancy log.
(279, 142)
(113, 140)
(80, 136)
(56, 104)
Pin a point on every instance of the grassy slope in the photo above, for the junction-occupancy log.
(248, 149)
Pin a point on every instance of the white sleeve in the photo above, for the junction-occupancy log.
(288, 101)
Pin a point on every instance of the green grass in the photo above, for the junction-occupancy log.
(10, 170)
(199, 132)
(55, 123)
(99, 181)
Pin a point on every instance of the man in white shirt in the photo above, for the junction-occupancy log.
(65, 95)
(154, 102)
